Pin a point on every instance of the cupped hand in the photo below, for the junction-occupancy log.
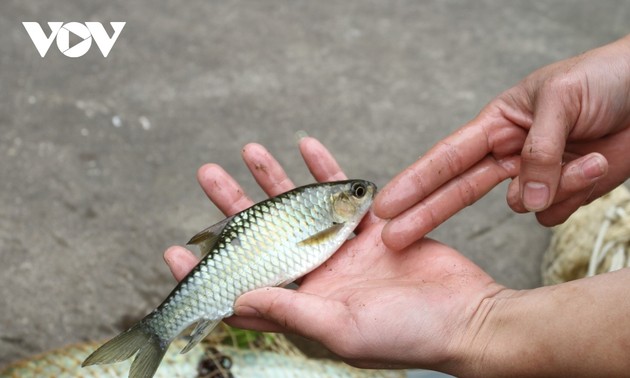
(370, 305)
(562, 133)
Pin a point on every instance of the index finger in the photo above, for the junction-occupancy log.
(457, 194)
(222, 189)
(486, 134)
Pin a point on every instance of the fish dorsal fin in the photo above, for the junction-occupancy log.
(207, 238)
(323, 235)
(203, 328)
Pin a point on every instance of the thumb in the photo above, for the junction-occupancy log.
(541, 157)
(305, 314)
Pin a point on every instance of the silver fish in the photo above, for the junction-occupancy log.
(269, 244)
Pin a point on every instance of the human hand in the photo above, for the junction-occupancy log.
(370, 305)
(562, 133)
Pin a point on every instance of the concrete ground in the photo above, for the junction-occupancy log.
(98, 155)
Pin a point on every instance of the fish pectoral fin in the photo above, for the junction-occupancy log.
(207, 238)
(203, 328)
(322, 235)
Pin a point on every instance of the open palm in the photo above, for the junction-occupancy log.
(372, 306)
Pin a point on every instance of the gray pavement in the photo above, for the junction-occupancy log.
(98, 155)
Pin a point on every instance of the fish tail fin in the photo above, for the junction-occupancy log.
(136, 340)
(148, 359)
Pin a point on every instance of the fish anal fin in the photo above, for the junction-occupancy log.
(203, 329)
(323, 235)
(207, 238)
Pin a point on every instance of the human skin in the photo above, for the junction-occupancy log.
(348, 302)
(561, 133)
(425, 306)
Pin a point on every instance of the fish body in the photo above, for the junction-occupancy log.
(269, 244)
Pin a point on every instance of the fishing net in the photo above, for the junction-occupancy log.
(594, 240)
(217, 362)
(226, 353)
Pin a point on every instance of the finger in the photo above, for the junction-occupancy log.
(308, 315)
(320, 161)
(266, 170)
(459, 193)
(560, 212)
(222, 189)
(541, 156)
(513, 197)
(255, 324)
(448, 159)
(576, 177)
(180, 261)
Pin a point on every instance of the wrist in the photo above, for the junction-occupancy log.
(572, 329)
(481, 351)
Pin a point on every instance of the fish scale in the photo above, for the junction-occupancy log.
(227, 260)
(269, 244)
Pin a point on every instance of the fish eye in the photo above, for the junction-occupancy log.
(358, 190)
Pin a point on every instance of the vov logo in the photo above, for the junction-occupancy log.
(61, 32)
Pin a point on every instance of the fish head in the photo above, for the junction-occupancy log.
(351, 201)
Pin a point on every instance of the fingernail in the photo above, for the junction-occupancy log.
(247, 311)
(535, 196)
(299, 135)
(593, 168)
